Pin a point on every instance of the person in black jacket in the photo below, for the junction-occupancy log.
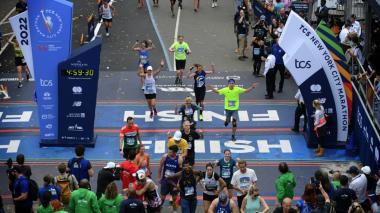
(322, 12)
(132, 204)
(105, 177)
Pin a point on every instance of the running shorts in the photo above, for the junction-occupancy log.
(200, 93)
(150, 96)
(180, 64)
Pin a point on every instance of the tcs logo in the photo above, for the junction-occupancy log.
(302, 64)
(46, 83)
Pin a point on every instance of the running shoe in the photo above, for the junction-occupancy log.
(151, 114)
(216, 4)
(225, 123)
(155, 111)
(213, 5)
(7, 97)
(107, 34)
(201, 117)
(27, 77)
(19, 85)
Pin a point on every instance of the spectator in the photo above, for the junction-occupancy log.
(25, 169)
(278, 53)
(105, 177)
(319, 127)
(258, 53)
(253, 202)
(280, 28)
(278, 6)
(242, 25)
(336, 180)
(260, 29)
(322, 12)
(270, 75)
(371, 182)
(111, 199)
(323, 178)
(303, 15)
(142, 160)
(344, 32)
(132, 204)
(309, 199)
(21, 6)
(344, 196)
(285, 183)
(128, 168)
(323, 204)
(79, 166)
(45, 206)
(48, 186)
(300, 110)
(282, 16)
(286, 207)
(242, 179)
(376, 205)
(66, 182)
(20, 192)
(84, 200)
(355, 28)
(359, 185)
(273, 26)
(356, 208)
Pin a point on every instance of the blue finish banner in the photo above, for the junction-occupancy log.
(78, 85)
(365, 134)
(50, 28)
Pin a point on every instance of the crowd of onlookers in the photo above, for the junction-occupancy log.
(356, 190)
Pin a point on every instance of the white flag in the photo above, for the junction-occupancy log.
(20, 27)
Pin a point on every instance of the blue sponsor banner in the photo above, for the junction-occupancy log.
(78, 86)
(317, 87)
(50, 28)
(365, 134)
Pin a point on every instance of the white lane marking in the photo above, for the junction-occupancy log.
(176, 34)
(163, 46)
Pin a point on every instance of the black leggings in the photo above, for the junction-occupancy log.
(256, 66)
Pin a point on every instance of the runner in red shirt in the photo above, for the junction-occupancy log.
(129, 139)
(128, 169)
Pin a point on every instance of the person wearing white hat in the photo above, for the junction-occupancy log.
(178, 141)
(150, 87)
(105, 177)
(145, 186)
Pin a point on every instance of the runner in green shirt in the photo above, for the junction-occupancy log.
(181, 49)
(231, 102)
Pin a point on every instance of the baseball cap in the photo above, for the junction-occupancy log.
(231, 81)
(149, 68)
(140, 174)
(222, 197)
(366, 170)
(353, 170)
(177, 135)
(110, 165)
(262, 18)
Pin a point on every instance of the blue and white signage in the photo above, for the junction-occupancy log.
(50, 30)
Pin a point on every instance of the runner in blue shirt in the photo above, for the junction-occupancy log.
(143, 49)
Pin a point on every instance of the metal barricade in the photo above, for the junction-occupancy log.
(368, 91)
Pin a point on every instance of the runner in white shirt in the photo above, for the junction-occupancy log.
(242, 179)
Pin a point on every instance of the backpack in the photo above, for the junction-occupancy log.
(33, 190)
(64, 184)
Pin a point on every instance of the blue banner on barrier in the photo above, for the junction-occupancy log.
(78, 85)
(50, 28)
(316, 87)
(365, 134)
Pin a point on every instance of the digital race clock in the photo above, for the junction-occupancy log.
(78, 72)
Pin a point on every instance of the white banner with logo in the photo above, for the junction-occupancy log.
(20, 27)
(306, 56)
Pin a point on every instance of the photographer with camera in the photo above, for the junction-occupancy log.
(308, 199)
(260, 29)
(105, 176)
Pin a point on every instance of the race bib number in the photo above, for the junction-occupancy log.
(226, 173)
(189, 190)
(143, 59)
(168, 173)
(256, 51)
(188, 111)
(181, 50)
(231, 103)
(130, 141)
(244, 183)
(149, 87)
(190, 145)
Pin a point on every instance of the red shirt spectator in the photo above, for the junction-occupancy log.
(126, 176)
